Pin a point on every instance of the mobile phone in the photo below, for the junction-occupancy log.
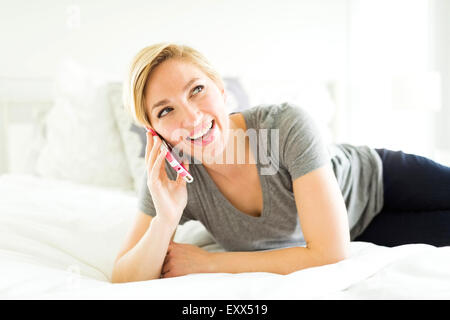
(177, 166)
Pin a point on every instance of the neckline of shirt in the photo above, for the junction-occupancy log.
(262, 179)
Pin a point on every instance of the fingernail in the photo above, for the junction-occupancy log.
(151, 131)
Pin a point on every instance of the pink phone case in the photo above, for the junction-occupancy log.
(178, 167)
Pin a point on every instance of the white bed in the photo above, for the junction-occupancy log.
(61, 226)
(58, 240)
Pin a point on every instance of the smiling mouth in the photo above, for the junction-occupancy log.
(205, 135)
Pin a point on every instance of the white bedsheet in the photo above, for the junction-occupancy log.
(58, 240)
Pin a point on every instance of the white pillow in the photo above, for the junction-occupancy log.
(237, 97)
(82, 143)
(133, 137)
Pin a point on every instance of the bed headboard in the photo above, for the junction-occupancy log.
(22, 101)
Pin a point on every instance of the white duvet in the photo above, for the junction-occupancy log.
(58, 240)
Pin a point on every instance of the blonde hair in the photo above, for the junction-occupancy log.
(143, 64)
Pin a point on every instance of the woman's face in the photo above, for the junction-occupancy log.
(182, 102)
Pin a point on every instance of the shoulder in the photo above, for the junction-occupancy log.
(276, 115)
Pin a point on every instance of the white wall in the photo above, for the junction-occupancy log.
(259, 38)
(387, 39)
(441, 61)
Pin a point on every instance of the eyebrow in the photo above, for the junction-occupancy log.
(165, 101)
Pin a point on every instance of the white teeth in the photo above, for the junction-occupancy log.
(200, 134)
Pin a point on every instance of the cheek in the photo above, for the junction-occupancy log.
(214, 101)
(209, 105)
(172, 132)
(217, 108)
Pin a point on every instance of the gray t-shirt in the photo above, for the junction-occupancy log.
(287, 145)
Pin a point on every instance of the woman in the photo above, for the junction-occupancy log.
(299, 207)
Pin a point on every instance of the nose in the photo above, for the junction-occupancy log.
(193, 116)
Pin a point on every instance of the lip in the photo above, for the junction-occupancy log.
(206, 139)
(200, 129)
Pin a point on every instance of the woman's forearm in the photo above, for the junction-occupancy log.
(145, 260)
(281, 261)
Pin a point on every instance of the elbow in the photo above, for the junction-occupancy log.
(119, 274)
(114, 280)
(122, 273)
(331, 255)
(115, 277)
(327, 259)
(335, 258)
(336, 255)
(345, 250)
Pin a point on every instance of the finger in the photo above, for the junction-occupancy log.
(149, 144)
(180, 179)
(166, 260)
(186, 165)
(162, 170)
(169, 274)
(165, 268)
(155, 151)
(156, 170)
(151, 139)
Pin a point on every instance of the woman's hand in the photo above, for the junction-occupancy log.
(182, 259)
(169, 197)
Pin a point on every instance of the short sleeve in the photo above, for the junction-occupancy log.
(145, 202)
(302, 147)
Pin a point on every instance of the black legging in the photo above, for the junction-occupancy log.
(416, 202)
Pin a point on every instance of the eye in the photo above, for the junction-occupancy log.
(160, 113)
(199, 86)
